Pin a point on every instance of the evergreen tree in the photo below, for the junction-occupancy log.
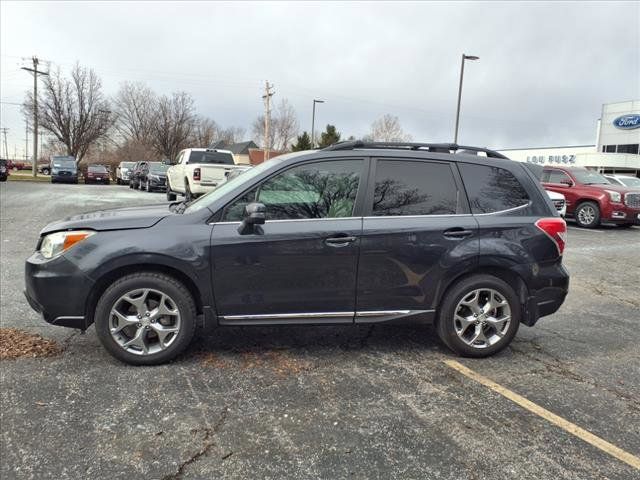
(303, 143)
(329, 137)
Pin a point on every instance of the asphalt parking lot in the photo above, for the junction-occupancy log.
(325, 402)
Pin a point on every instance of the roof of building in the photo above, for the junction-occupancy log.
(240, 148)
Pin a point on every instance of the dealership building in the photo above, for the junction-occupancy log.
(617, 149)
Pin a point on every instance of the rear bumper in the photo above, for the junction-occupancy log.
(47, 287)
(552, 287)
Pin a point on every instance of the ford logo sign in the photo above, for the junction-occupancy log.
(627, 122)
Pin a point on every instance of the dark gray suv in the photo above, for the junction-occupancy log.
(355, 233)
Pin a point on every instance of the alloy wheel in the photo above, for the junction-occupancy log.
(482, 318)
(587, 215)
(144, 321)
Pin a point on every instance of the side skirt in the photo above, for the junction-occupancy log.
(330, 318)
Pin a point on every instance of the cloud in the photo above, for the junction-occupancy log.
(545, 68)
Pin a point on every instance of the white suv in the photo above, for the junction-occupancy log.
(198, 171)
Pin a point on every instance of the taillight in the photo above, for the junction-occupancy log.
(556, 230)
(196, 174)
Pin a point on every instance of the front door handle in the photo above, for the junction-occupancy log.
(340, 241)
(457, 232)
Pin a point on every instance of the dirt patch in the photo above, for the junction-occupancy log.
(16, 343)
(280, 362)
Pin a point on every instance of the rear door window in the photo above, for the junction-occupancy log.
(558, 176)
(492, 189)
(406, 187)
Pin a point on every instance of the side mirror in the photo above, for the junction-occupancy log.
(568, 183)
(254, 214)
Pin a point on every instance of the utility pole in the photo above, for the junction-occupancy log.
(26, 141)
(35, 71)
(267, 117)
(313, 123)
(6, 149)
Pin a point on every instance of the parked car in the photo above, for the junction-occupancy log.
(97, 174)
(558, 201)
(123, 172)
(153, 177)
(624, 180)
(4, 170)
(238, 171)
(64, 169)
(44, 168)
(198, 171)
(355, 233)
(591, 199)
(136, 171)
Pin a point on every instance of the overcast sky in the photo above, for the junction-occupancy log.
(545, 68)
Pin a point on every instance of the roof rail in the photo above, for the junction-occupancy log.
(431, 147)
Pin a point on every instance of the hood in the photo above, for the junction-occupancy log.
(114, 219)
(554, 195)
(612, 187)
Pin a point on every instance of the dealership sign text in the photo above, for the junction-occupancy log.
(552, 159)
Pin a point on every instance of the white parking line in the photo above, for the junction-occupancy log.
(566, 425)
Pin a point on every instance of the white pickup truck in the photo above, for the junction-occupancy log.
(198, 171)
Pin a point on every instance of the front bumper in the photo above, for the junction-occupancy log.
(58, 290)
(621, 214)
(64, 178)
(155, 184)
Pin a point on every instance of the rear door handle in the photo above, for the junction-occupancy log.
(457, 232)
(340, 241)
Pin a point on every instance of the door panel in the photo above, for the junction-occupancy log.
(403, 260)
(288, 268)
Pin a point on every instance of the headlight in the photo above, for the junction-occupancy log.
(56, 243)
(615, 196)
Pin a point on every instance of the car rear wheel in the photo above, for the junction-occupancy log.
(145, 318)
(587, 215)
(479, 316)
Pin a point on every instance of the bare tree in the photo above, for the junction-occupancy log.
(283, 129)
(387, 129)
(73, 110)
(205, 132)
(134, 107)
(232, 134)
(173, 124)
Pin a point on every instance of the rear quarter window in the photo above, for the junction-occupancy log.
(492, 189)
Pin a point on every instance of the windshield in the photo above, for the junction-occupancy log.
(248, 176)
(630, 181)
(158, 167)
(64, 164)
(127, 165)
(587, 177)
(97, 169)
(221, 158)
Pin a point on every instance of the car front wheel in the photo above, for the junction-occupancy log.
(588, 215)
(479, 316)
(145, 318)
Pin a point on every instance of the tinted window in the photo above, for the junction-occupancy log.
(97, 169)
(589, 177)
(414, 188)
(558, 176)
(158, 167)
(221, 158)
(492, 189)
(315, 190)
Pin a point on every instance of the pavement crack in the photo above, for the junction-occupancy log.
(208, 442)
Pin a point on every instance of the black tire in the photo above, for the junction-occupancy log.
(585, 211)
(445, 323)
(147, 187)
(158, 281)
(45, 171)
(118, 181)
(171, 197)
(188, 196)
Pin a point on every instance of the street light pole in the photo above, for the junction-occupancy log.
(313, 123)
(464, 57)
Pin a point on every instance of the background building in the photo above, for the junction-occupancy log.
(617, 149)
